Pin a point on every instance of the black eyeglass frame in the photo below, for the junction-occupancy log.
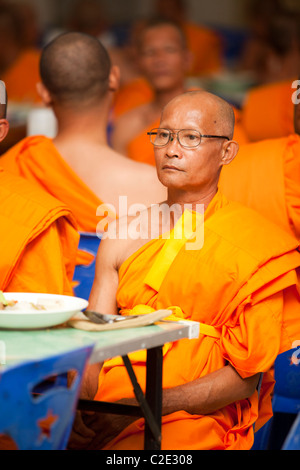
(208, 136)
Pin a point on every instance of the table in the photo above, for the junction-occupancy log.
(21, 346)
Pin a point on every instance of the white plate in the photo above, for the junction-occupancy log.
(34, 319)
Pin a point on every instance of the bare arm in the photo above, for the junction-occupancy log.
(202, 396)
(103, 294)
(209, 393)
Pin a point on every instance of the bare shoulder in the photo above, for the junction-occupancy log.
(123, 170)
(125, 236)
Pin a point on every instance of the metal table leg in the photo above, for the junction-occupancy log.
(154, 395)
(150, 403)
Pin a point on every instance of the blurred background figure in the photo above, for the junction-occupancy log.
(204, 44)
(272, 52)
(19, 55)
(282, 48)
(89, 17)
(259, 13)
(32, 34)
(164, 61)
(19, 64)
(234, 45)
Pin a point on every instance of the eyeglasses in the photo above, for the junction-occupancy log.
(188, 138)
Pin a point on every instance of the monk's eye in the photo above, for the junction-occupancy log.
(190, 138)
(163, 134)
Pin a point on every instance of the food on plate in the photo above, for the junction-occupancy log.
(24, 305)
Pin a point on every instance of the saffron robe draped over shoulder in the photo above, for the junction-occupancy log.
(38, 240)
(37, 160)
(268, 112)
(243, 283)
(266, 177)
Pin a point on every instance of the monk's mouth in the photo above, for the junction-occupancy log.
(170, 167)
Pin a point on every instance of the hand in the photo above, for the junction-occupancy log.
(92, 430)
(81, 434)
(107, 427)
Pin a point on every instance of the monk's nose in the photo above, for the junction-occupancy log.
(173, 147)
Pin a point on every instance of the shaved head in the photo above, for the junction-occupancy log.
(75, 68)
(219, 115)
(159, 22)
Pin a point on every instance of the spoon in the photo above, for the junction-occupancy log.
(102, 318)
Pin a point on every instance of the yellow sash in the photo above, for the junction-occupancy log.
(183, 231)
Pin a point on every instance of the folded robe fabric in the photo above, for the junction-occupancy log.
(241, 282)
(37, 160)
(38, 242)
(266, 177)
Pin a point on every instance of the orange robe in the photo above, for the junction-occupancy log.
(38, 240)
(37, 159)
(240, 134)
(240, 282)
(266, 177)
(131, 95)
(21, 78)
(206, 49)
(268, 111)
(140, 148)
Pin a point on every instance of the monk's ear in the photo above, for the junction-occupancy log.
(114, 78)
(230, 150)
(4, 128)
(44, 94)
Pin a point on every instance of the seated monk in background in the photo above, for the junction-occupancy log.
(134, 90)
(265, 176)
(164, 61)
(204, 44)
(19, 61)
(77, 166)
(39, 240)
(226, 273)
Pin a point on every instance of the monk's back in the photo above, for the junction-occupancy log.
(110, 175)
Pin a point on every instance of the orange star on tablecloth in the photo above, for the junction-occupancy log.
(46, 423)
